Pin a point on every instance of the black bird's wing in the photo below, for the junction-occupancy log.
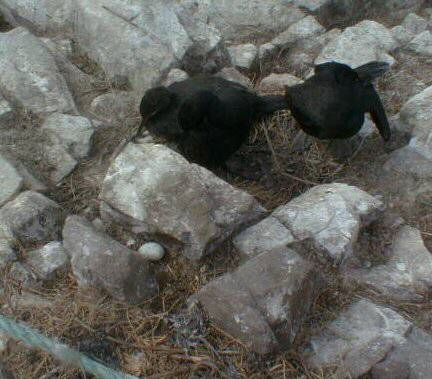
(372, 70)
(376, 109)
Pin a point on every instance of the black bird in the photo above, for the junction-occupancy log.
(207, 116)
(331, 104)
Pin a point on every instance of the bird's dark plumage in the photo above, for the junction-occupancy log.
(331, 104)
(209, 117)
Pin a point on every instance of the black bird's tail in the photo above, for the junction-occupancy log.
(272, 103)
(372, 70)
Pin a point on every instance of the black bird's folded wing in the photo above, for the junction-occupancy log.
(372, 70)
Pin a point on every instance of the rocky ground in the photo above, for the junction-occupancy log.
(319, 266)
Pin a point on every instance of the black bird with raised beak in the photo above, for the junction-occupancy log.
(207, 116)
(331, 104)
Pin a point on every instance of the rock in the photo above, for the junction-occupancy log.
(79, 83)
(99, 261)
(414, 24)
(266, 50)
(112, 106)
(11, 181)
(277, 82)
(29, 75)
(311, 5)
(401, 35)
(99, 224)
(302, 55)
(243, 56)
(408, 161)
(32, 218)
(267, 236)
(259, 303)
(367, 41)
(231, 74)
(152, 251)
(307, 27)
(175, 75)
(7, 242)
(417, 156)
(422, 44)
(411, 359)
(149, 38)
(407, 275)
(49, 260)
(6, 113)
(400, 8)
(42, 16)
(29, 181)
(203, 32)
(358, 339)
(73, 133)
(331, 215)
(23, 277)
(416, 112)
(147, 184)
(61, 163)
(238, 20)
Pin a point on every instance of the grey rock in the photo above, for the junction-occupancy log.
(79, 83)
(49, 260)
(277, 82)
(60, 161)
(408, 161)
(358, 339)
(73, 133)
(415, 24)
(175, 75)
(307, 27)
(169, 198)
(416, 112)
(367, 41)
(32, 218)
(29, 74)
(411, 359)
(11, 181)
(42, 16)
(266, 50)
(205, 35)
(422, 44)
(267, 236)
(416, 157)
(233, 75)
(407, 275)
(6, 113)
(149, 38)
(152, 251)
(101, 262)
(331, 215)
(29, 181)
(7, 251)
(401, 35)
(238, 20)
(259, 303)
(311, 5)
(243, 56)
(112, 106)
